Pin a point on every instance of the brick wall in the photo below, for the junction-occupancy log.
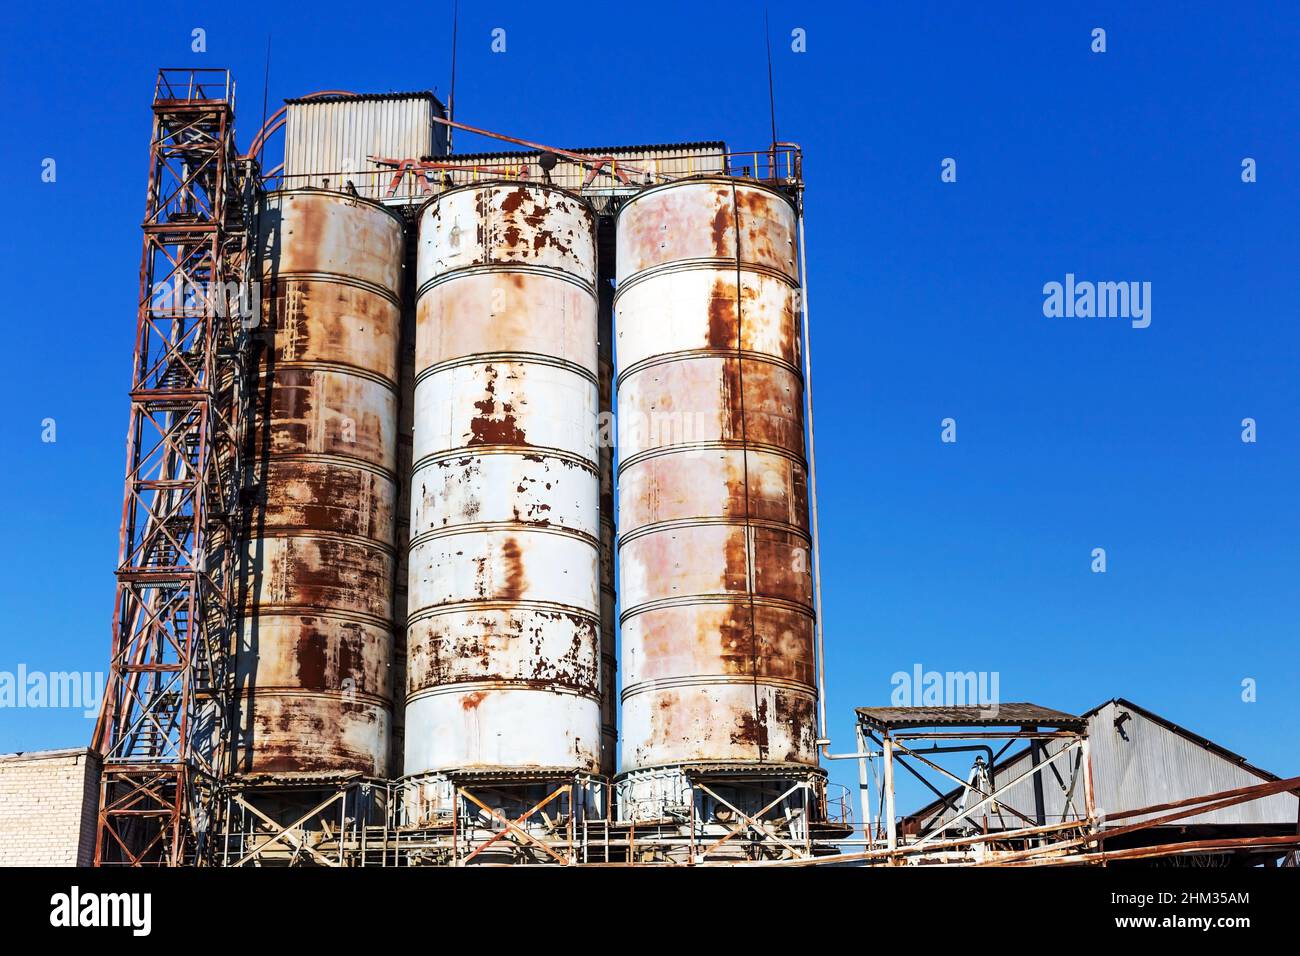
(48, 805)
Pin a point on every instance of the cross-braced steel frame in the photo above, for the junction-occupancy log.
(161, 731)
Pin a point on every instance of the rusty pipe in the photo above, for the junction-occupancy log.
(823, 738)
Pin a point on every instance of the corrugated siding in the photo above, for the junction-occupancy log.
(331, 139)
(1149, 764)
(1144, 765)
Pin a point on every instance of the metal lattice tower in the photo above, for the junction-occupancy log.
(161, 731)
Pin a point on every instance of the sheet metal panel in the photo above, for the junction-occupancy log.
(1137, 764)
(332, 138)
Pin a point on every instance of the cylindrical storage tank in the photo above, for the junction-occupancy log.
(503, 649)
(313, 669)
(713, 549)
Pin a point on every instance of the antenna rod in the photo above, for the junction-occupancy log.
(266, 85)
(771, 92)
(451, 99)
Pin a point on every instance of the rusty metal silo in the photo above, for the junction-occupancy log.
(503, 642)
(313, 671)
(714, 567)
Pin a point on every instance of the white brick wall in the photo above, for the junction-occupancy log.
(48, 806)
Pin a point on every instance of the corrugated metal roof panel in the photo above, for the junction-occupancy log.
(700, 147)
(372, 97)
(994, 715)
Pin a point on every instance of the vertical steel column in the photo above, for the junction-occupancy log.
(864, 790)
(890, 824)
(1085, 746)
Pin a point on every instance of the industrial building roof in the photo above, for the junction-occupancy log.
(363, 97)
(718, 145)
(1141, 759)
(994, 715)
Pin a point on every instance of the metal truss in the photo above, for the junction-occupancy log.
(307, 823)
(161, 730)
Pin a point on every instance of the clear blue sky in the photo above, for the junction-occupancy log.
(926, 300)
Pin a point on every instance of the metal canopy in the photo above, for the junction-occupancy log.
(996, 715)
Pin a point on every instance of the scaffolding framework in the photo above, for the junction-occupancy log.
(161, 730)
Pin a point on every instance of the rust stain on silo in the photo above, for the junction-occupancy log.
(493, 426)
(723, 325)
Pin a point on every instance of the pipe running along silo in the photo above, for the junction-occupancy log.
(313, 670)
(714, 549)
(503, 647)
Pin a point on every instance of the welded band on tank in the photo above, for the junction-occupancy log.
(505, 268)
(712, 521)
(324, 192)
(535, 452)
(337, 368)
(279, 609)
(478, 527)
(333, 278)
(686, 355)
(290, 690)
(549, 685)
(710, 179)
(514, 358)
(320, 458)
(712, 680)
(499, 604)
(669, 770)
(722, 444)
(309, 533)
(532, 773)
(488, 183)
(361, 464)
(725, 264)
(715, 597)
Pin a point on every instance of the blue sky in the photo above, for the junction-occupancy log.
(926, 302)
